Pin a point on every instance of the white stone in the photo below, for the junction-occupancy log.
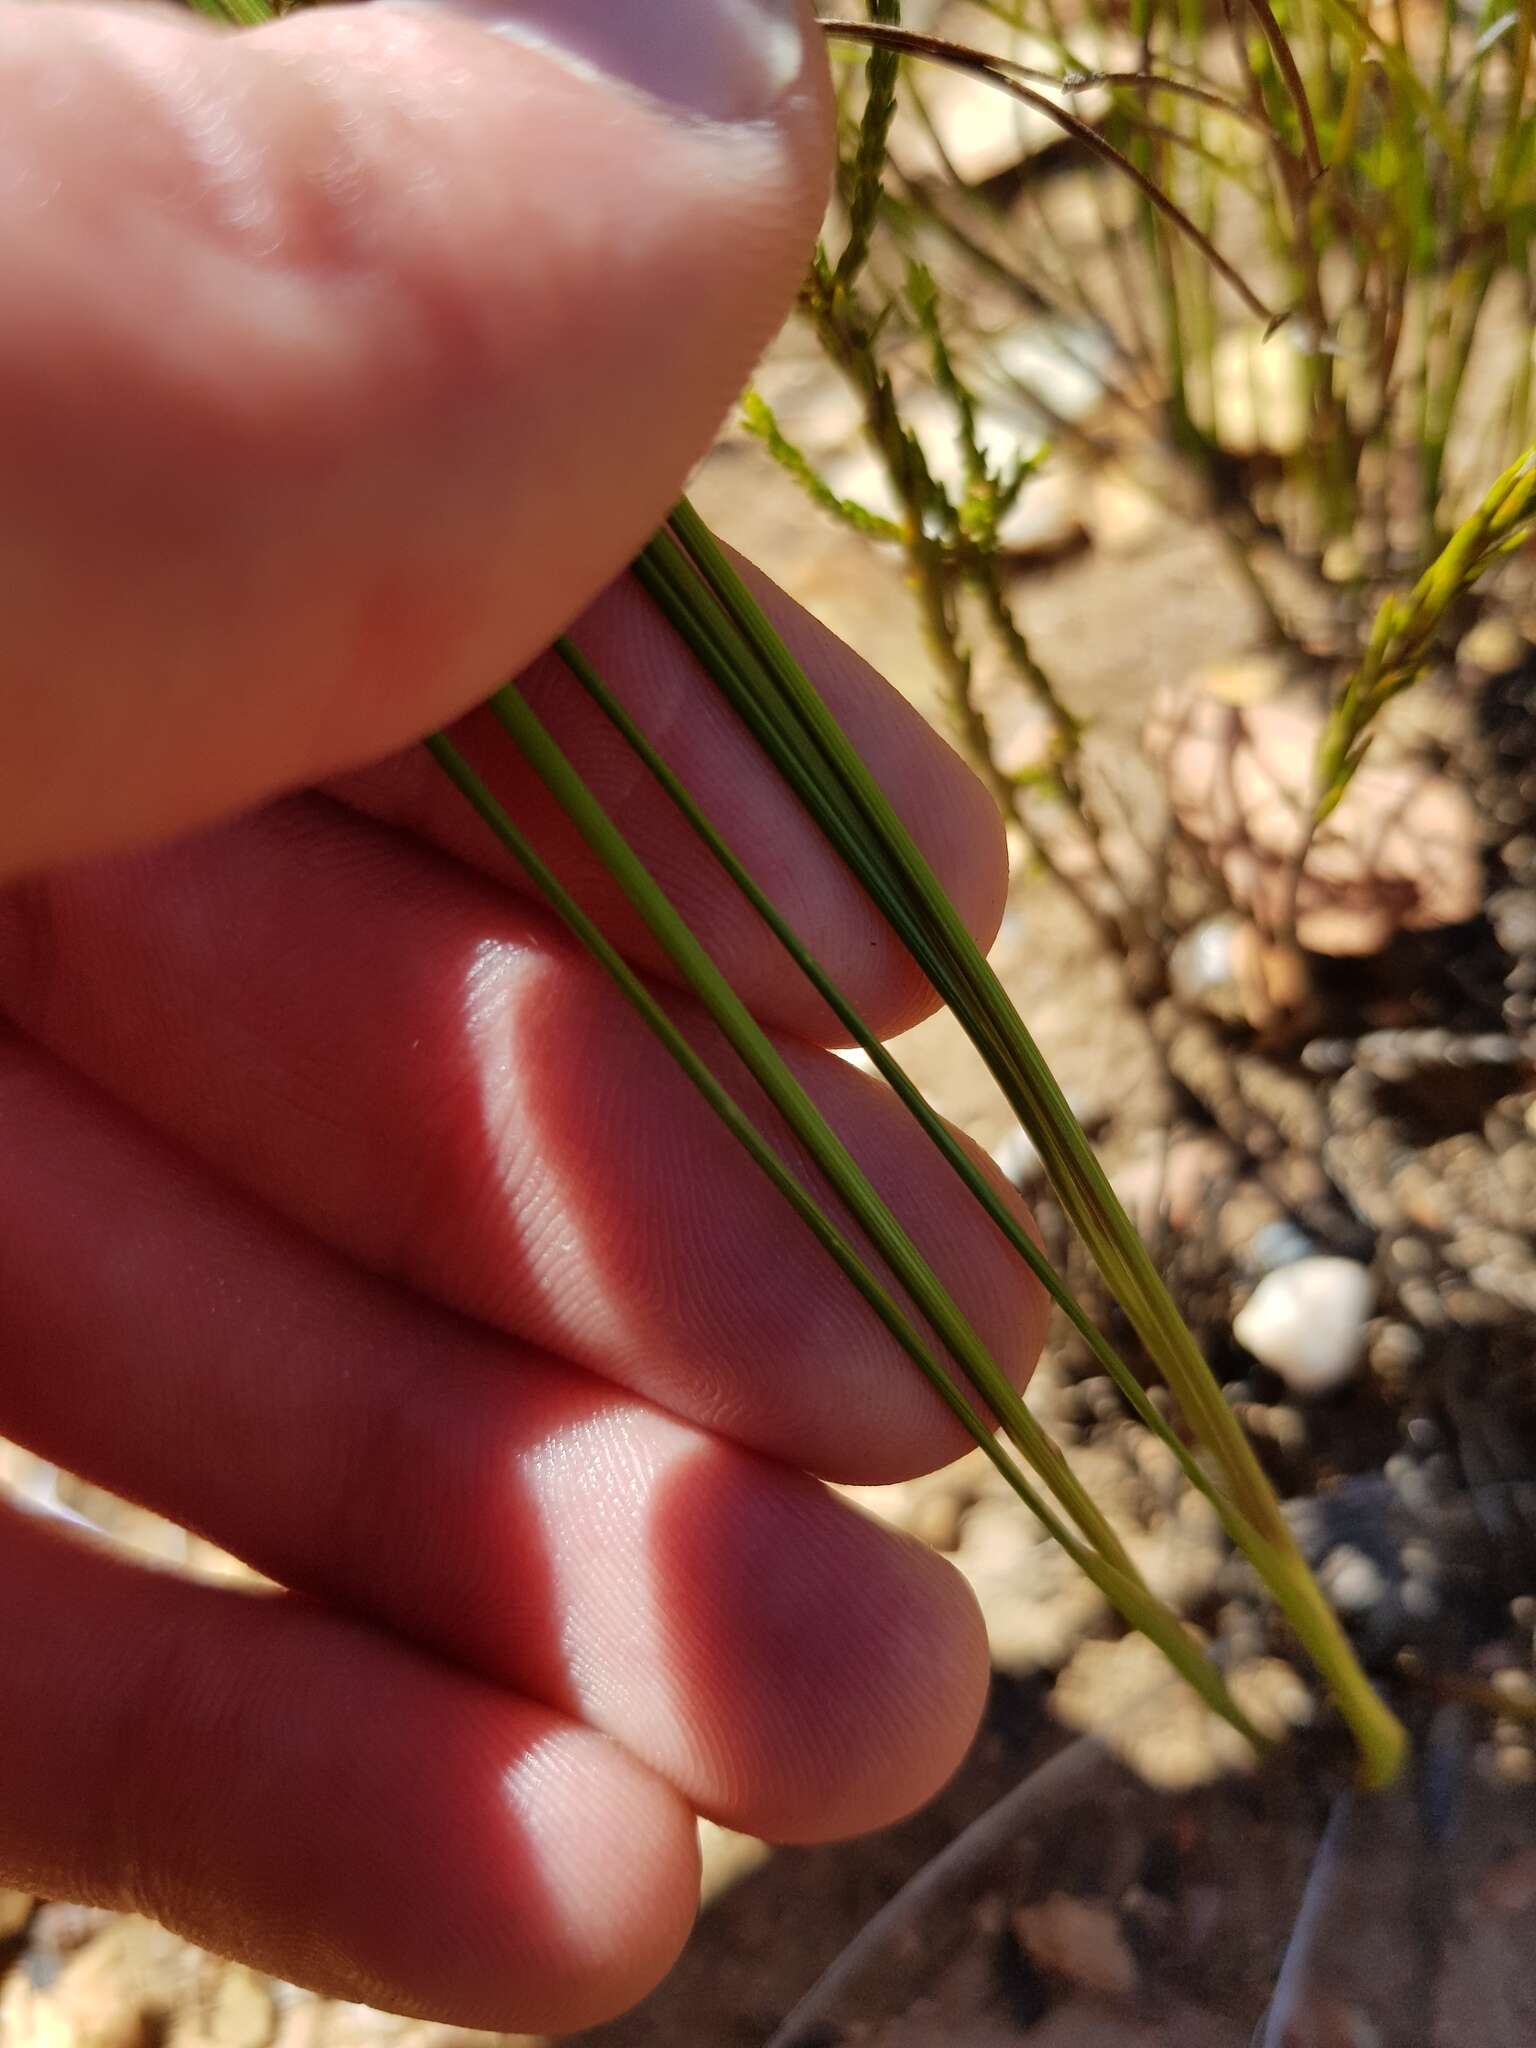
(1307, 1322)
(1203, 967)
(1353, 1581)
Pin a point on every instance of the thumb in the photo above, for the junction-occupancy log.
(346, 359)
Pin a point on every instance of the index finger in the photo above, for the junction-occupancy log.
(309, 430)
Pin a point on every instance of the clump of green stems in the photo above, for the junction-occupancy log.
(693, 583)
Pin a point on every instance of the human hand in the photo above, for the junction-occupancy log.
(346, 1216)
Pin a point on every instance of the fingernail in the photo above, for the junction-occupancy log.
(728, 60)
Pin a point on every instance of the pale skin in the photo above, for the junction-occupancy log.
(346, 1216)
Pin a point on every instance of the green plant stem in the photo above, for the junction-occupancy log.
(1285, 65)
(881, 72)
(759, 420)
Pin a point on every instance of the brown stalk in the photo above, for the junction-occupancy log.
(1285, 64)
(974, 62)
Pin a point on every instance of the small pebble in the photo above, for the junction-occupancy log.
(1493, 645)
(1396, 1353)
(1079, 1940)
(1307, 1323)
(1412, 1482)
(1283, 1425)
(1352, 1580)
(1518, 1686)
(1516, 1766)
(1206, 967)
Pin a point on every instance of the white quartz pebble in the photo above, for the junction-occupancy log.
(1307, 1320)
